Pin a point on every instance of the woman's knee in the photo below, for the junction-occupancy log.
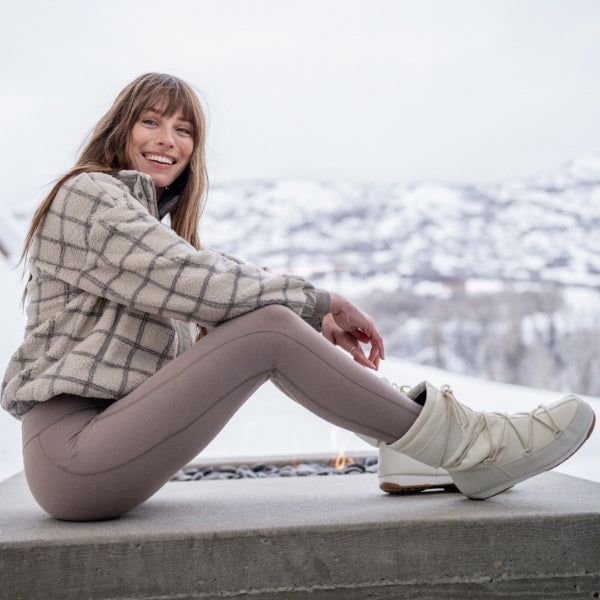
(277, 316)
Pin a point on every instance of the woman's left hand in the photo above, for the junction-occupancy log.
(350, 341)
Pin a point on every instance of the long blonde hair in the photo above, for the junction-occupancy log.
(106, 150)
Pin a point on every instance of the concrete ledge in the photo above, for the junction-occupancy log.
(315, 537)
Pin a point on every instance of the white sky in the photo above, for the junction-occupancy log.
(347, 90)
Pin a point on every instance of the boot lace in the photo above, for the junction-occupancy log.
(460, 416)
(404, 388)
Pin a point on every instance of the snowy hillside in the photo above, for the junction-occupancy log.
(500, 281)
(11, 235)
(12, 324)
(541, 230)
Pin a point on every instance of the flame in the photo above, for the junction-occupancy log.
(339, 444)
(340, 461)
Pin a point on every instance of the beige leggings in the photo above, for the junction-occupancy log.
(89, 459)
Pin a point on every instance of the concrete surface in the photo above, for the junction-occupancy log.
(317, 538)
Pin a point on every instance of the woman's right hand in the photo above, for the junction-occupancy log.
(355, 327)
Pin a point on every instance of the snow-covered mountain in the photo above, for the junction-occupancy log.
(500, 281)
(541, 229)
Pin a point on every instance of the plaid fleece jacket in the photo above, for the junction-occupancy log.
(110, 287)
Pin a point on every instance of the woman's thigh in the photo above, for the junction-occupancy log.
(87, 459)
(84, 460)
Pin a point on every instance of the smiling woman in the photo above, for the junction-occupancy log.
(161, 145)
(141, 343)
(109, 148)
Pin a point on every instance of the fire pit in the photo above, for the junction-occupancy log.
(262, 468)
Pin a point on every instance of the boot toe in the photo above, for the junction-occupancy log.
(575, 419)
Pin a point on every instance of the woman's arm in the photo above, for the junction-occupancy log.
(98, 238)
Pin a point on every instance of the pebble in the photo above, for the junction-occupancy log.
(264, 470)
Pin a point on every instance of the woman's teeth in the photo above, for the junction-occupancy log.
(160, 159)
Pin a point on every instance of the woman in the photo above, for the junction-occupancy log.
(115, 396)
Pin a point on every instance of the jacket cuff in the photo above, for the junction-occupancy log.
(322, 303)
(316, 311)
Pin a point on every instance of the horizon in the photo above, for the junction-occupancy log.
(340, 91)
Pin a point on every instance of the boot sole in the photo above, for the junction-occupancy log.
(395, 488)
(491, 493)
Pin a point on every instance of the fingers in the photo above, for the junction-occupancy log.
(357, 323)
(351, 342)
(358, 327)
(377, 346)
(375, 339)
(361, 336)
(357, 353)
(377, 351)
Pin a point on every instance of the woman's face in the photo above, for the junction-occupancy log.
(160, 146)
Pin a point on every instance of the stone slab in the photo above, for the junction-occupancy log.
(315, 538)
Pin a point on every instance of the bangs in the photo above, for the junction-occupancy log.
(173, 95)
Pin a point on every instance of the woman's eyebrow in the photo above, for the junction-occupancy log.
(161, 113)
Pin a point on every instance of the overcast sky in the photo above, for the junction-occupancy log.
(346, 90)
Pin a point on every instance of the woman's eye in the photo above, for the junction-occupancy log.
(149, 122)
(184, 130)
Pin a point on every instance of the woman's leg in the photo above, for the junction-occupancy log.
(85, 461)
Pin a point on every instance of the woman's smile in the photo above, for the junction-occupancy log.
(159, 158)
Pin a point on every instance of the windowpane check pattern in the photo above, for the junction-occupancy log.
(109, 285)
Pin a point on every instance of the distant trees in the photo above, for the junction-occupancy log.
(529, 336)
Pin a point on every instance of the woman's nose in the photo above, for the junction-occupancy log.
(166, 138)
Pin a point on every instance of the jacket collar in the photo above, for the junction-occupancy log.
(142, 188)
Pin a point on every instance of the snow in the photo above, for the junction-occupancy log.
(11, 232)
(12, 324)
(584, 169)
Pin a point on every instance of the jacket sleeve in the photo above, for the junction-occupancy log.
(100, 239)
